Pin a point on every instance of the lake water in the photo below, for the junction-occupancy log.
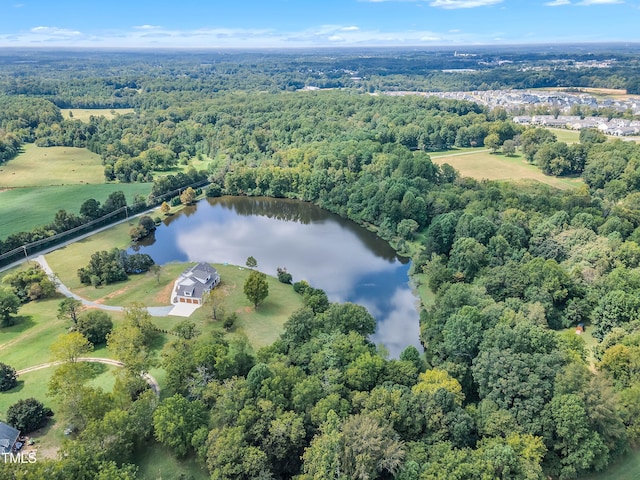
(347, 261)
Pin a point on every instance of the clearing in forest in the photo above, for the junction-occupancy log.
(85, 114)
(40, 166)
(483, 165)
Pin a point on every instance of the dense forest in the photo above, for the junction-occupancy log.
(504, 387)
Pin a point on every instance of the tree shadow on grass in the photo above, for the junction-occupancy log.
(21, 323)
(18, 388)
(96, 369)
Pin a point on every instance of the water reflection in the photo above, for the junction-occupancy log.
(347, 261)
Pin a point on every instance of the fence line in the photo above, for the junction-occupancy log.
(38, 245)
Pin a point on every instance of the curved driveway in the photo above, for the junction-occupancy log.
(62, 288)
(153, 383)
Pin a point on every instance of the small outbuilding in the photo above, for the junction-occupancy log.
(194, 283)
(8, 438)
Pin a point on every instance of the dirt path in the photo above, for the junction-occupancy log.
(436, 157)
(153, 383)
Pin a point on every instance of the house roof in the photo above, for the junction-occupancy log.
(8, 437)
(197, 280)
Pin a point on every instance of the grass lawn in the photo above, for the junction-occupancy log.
(157, 462)
(27, 343)
(39, 166)
(427, 297)
(34, 384)
(262, 325)
(565, 135)
(22, 209)
(495, 166)
(626, 468)
(85, 114)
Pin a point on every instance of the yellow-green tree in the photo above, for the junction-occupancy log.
(256, 287)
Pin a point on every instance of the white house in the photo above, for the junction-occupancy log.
(194, 283)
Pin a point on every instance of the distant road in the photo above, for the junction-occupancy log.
(153, 383)
(76, 239)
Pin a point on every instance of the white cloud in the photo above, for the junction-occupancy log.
(351, 28)
(55, 31)
(147, 27)
(598, 2)
(446, 4)
(455, 4)
(558, 3)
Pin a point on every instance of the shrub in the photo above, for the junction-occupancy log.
(284, 276)
(8, 377)
(28, 415)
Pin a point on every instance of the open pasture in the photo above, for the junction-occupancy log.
(40, 166)
(22, 209)
(85, 114)
(495, 166)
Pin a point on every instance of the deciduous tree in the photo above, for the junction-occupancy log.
(256, 287)
(8, 377)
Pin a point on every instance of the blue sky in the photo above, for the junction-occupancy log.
(313, 23)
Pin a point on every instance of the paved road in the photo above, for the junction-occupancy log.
(62, 288)
(153, 383)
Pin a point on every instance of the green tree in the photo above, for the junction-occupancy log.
(68, 347)
(579, 447)
(156, 271)
(251, 262)
(186, 329)
(492, 142)
(229, 456)
(322, 457)
(95, 325)
(370, 446)
(9, 304)
(348, 317)
(28, 415)
(509, 147)
(256, 287)
(90, 209)
(468, 256)
(8, 377)
(175, 421)
(69, 308)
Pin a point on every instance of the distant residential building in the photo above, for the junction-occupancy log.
(194, 283)
(522, 120)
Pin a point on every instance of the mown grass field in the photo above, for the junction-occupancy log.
(41, 181)
(39, 166)
(626, 468)
(496, 166)
(158, 462)
(565, 135)
(22, 209)
(85, 114)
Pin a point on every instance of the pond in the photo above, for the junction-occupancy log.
(347, 261)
